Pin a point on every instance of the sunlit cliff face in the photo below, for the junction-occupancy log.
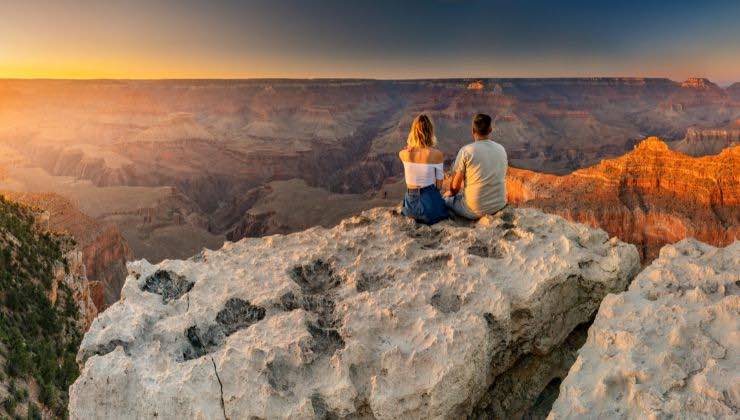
(649, 197)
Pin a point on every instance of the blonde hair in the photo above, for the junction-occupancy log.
(422, 133)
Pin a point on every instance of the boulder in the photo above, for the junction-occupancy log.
(378, 317)
(667, 347)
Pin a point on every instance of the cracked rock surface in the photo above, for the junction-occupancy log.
(669, 347)
(376, 318)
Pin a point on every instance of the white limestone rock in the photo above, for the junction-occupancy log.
(377, 317)
(667, 347)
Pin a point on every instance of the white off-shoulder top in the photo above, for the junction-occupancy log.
(422, 174)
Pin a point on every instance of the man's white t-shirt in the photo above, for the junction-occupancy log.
(484, 164)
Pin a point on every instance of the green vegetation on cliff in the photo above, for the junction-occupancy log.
(38, 338)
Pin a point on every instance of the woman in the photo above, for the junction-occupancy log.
(422, 165)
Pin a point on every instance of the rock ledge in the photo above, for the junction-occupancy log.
(376, 318)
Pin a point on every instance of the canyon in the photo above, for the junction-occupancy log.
(480, 319)
(173, 166)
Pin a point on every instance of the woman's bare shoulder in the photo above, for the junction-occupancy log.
(403, 154)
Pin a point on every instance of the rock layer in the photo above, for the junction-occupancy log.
(667, 347)
(649, 197)
(377, 317)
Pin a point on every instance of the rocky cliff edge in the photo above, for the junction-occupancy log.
(377, 317)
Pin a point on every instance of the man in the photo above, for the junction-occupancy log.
(481, 167)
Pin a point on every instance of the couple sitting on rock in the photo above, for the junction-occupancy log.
(477, 181)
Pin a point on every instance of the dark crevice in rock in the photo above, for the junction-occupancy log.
(531, 386)
(507, 226)
(168, 285)
(363, 410)
(220, 387)
(545, 400)
(528, 389)
(321, 305)
(106, 348)
(520, 316)
(586, 264)
(316, 277)
(317, 281)
(236, 315)
(325, 341)
(446, 301)
(197, 347)
(320, 410)
(373, 282)
(483, 250)
(507, 214)
(511, 236)
(289, 302)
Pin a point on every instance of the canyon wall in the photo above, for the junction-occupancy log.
(45, 307)
(649, 197)
(72, 275)
(708, 141)
(104, 250)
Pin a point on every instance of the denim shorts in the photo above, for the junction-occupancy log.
(425, 205)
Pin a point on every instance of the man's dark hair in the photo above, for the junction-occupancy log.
(482, 124)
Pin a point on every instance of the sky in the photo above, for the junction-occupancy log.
(369, 39)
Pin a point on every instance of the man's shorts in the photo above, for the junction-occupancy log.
(457, 204)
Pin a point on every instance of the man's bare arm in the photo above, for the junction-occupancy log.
(457, 183)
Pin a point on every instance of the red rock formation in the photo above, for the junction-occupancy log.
(104, 250)
(698, 83)
(477, 85)
(649, 197)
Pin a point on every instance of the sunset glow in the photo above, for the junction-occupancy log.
(255, 39)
